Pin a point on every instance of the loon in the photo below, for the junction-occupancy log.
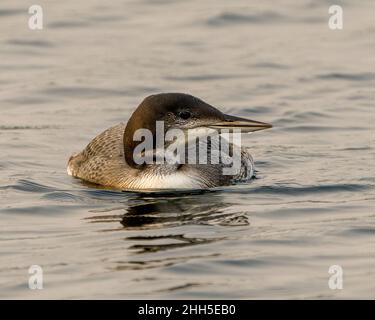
(108, 160)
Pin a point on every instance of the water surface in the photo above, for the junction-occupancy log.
(311, 206)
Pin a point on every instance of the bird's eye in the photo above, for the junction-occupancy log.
(184, 115)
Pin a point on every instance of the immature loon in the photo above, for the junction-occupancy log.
(108, 160)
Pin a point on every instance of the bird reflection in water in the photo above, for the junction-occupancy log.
(154, 224)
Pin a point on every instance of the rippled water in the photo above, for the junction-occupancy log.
(311, 206)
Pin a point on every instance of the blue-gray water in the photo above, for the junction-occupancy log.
(311, 206)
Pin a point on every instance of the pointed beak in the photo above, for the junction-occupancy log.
(246, 125)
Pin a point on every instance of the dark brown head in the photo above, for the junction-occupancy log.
(179, 111)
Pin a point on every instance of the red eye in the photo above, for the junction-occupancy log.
(184, 115)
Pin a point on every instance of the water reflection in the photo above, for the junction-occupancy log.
(180, 241)
(144, 212)
(152, 224)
